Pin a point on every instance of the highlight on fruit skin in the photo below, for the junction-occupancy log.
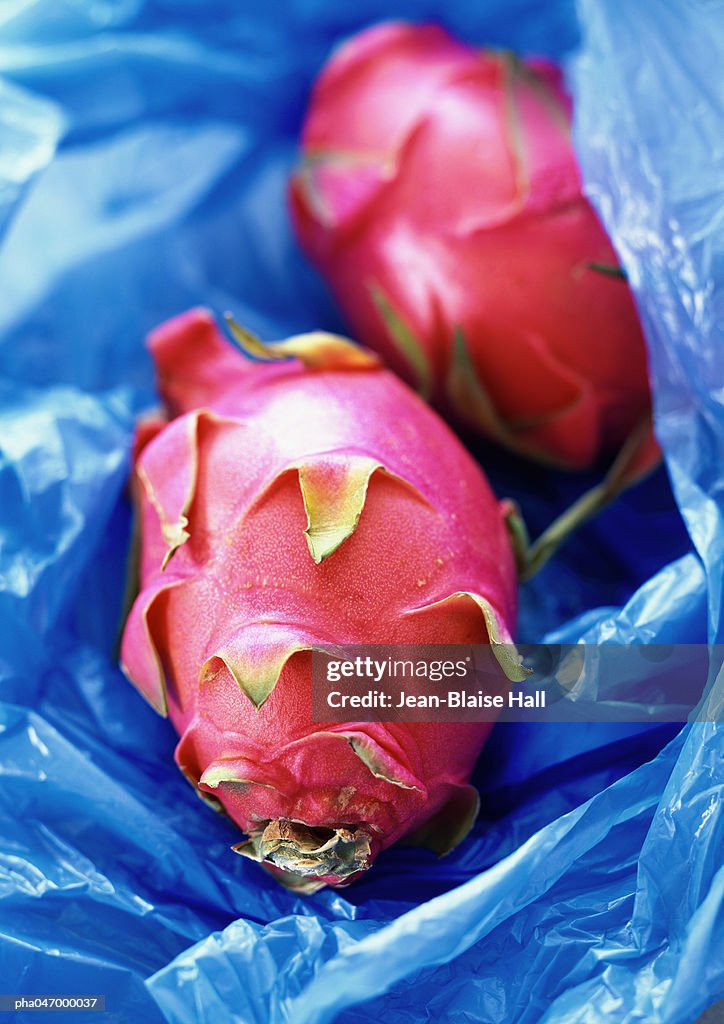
(287, 507)
(438, 193)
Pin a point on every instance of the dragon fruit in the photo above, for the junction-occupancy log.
(440, 196)
(306, 499)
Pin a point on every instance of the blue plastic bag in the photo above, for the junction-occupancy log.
(591, 889)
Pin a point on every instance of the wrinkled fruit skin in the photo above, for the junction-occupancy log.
(286, 507)
(439, 195)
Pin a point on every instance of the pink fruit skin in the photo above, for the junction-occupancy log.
(232, 599)
(444, 179)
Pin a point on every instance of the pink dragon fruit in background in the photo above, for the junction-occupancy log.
(440, 196)
(288, 505)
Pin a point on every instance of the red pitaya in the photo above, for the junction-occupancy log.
(440, 196)
(289, 505)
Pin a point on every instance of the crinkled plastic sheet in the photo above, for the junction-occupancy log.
(591, 889)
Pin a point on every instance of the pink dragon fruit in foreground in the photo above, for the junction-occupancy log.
(308, 500)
